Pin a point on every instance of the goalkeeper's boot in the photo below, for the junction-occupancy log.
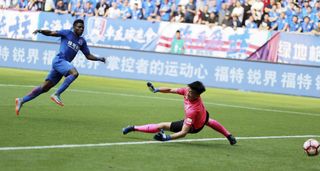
(128, 129)
(56, 99)
(19, 103)
(232, 140)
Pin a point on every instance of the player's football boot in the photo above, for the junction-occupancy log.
(18, 105)
(56, 99)
(232, 140)
(127, 129)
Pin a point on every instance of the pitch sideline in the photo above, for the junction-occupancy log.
(148, 142)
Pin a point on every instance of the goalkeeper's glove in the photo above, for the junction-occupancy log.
(151, 87)
(161, 136)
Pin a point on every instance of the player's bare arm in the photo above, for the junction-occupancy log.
(161, 89)
(167, 90)
(46, 32)
(94, 58)
(184, 131)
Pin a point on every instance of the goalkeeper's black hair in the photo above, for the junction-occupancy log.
(197, 86)
(78, 21)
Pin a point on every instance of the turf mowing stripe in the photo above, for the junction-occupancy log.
(172, 99)
(148, 142)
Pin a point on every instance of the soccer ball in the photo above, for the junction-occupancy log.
(311, 147)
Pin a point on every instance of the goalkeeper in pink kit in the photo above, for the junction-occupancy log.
(196, 116)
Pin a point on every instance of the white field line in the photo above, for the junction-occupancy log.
(172, 99)
(148, 142)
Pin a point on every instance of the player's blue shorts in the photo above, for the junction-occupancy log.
(59, 69)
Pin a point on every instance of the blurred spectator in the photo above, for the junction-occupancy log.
(305, 7)
(177, 44)
(36, 5)
(227, 22)
(316, 7)
(101, 8)
(294, 25)
(309, 13)
(114, 12)
(265, 23)
(120, 4)
(2, 4)
(201, 3)
(290, 11)
(246, 11)
(126, 12)
(212, 20)
(212, 6)
(269, 5)
(316, 17)
(231, 5)
(5, 4)
(78, 11)
(257, 10)
(22, 5)
(298, 13)
(88, 10)
(197, 19)
(306, 26)
(316, 30)
(49, 6)
(133, 2)
(60, 8)
(190, 12)
(165, 10)
(148, 8)
(273, 15)
(235, 22)
(155, 15)
(279, 8)
(222, 13)
(136, 12)
(250, 24)
(68, 4)
(238, 10)
(178, 15)
(205, 14)
(282, 23)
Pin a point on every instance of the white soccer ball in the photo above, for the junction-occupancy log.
(311, 147)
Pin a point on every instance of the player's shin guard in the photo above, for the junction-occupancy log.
(150, 128)
(69, 79)
(33, 94)
(218, 127)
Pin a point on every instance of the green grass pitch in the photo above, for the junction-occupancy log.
(97, 108)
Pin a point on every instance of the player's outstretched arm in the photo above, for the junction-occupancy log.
(94, 58)
(46, 32)
(160, 89)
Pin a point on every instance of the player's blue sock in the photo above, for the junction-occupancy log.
(69, 79)
(33, 94)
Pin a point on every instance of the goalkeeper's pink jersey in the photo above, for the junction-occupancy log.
(195, 112)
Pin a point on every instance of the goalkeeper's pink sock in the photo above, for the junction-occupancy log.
(150, 128)
(218, 127)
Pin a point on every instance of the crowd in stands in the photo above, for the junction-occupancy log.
(281, 15)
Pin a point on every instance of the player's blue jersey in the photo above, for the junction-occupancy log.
(70, 45)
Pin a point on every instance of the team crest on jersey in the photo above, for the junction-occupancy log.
(80, 42)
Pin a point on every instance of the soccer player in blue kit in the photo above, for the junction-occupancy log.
(71, 43)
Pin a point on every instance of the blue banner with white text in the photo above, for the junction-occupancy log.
(129, 64)
(299, 49)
